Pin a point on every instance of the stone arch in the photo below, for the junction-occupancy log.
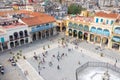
(22, 41)
(21, 34)
(70, 32)
(58, 28)
(80, 27)
(26, 40)
(85, 36)
(105, 41)
(12, 44)
(26, 33)
(16, 35)
(92, 36)
(11, 37)
(97, 39)
(63, 28)
(16, 43)
(80, 34)
(74, 33)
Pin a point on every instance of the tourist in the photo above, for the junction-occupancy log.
(39, 72)
(79, 62)
(58, 67)
(50, 63)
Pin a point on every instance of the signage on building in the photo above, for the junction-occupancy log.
(40, 28)
(2, 40)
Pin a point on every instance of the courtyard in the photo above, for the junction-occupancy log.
(74, 56)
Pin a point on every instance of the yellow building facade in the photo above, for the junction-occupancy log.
(101, 29)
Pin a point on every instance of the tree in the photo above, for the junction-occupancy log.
(75, 9)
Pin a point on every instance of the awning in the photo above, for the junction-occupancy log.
(93, 29)
(99, 31)
(106, 32)
(117, 30)
(116, 38)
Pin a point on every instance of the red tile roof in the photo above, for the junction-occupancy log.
(34, 18)
(37, 19)
(107, 15)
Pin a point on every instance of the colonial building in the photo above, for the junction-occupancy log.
(101, 29)
(13, 33)
(40, 26)
(21, 27)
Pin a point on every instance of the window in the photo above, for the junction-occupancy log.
(11, 37)
(107, 22)
(111, 22)
(101, 20)
(97, 20)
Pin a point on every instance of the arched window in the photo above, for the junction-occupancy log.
(16, 35)
(21, 34)
(22, 41)
(93, 29)
(26, 33)
(11, 44)
(26, 40)
(70, 24)
(86, 28)
(117, 30)
(80, 27)
(99, 31)
(106, 32)
(11, 37)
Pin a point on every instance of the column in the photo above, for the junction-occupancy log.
(94, 39)
(101, 42)
(45, 33)
(19, 42)
(88, 37)
(8, 45)
(54, 31)
(1, 46)
(41, 34)
(31, 38)
(66, 32)
(109, 44)
(36, 35)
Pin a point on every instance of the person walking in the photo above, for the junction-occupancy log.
(58, 67)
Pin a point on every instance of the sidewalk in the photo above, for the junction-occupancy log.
(32, 73)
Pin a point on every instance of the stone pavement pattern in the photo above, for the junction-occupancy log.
(67, 62)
